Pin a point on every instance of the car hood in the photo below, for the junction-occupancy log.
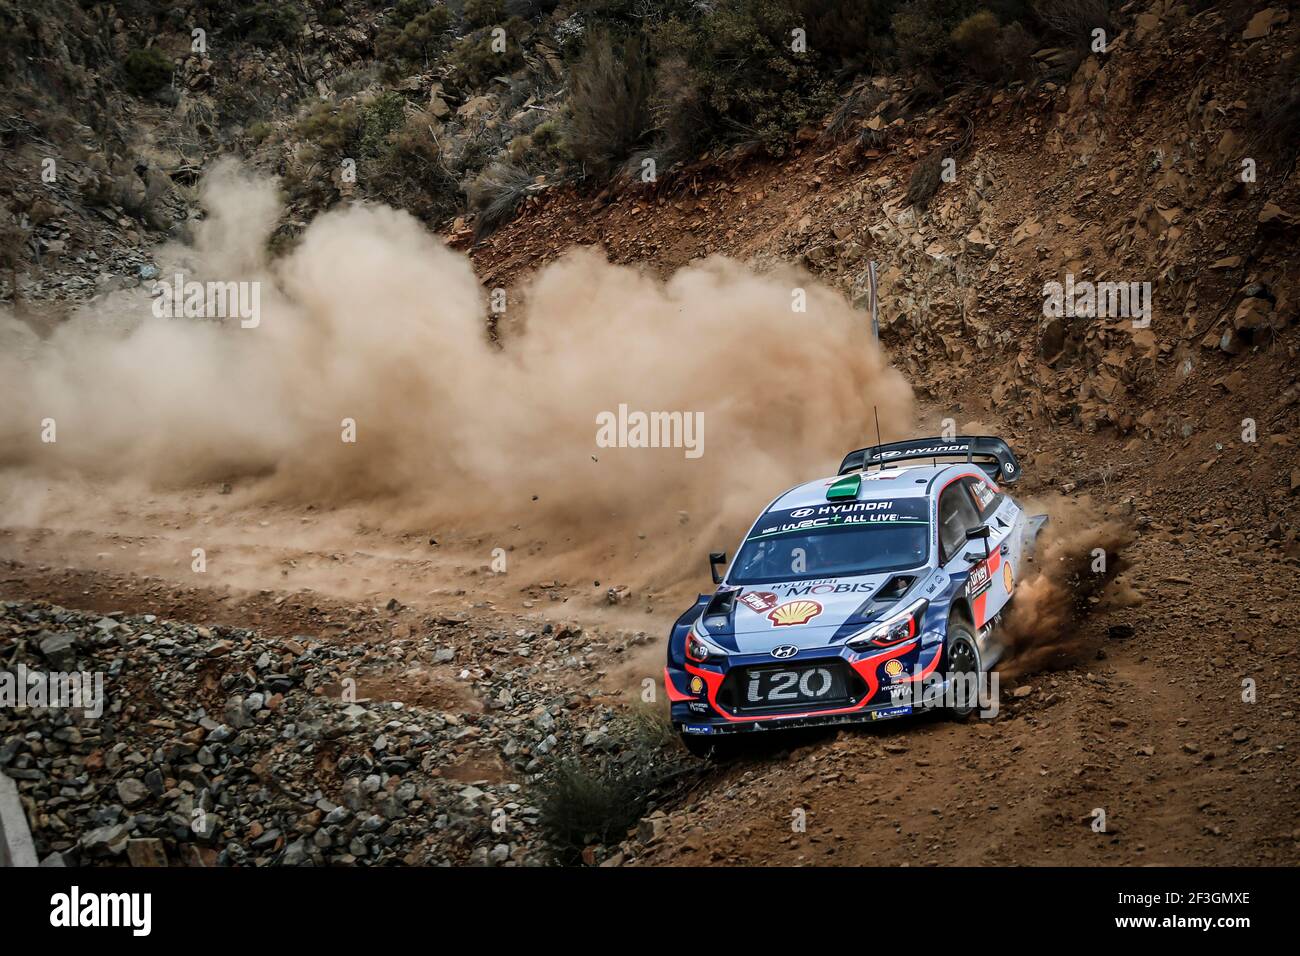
(805, 614)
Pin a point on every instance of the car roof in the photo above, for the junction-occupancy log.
(904, 481)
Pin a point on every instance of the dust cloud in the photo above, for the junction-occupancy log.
(1063, 585)
(372, 319)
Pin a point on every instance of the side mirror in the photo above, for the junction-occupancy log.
(716, 558)
(978, 534)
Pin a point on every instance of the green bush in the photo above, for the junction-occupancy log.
(598, 799)
(269, 24)
(976, 41)
(147, 71)
(418, 39)
(379, 119)
(331, 131)
(484, 13)
(474, 63)
(413, 173)
(259, 131)
(743, 81)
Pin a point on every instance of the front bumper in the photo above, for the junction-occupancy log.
(878, 685)
(776, 722)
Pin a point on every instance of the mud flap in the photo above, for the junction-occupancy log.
(1033, 525)
(990, 648)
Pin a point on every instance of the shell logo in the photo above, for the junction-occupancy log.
(1008, 578)
(697, 685)
(792, 613)
(894, 668)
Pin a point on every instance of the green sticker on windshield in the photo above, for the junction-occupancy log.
(844, 488)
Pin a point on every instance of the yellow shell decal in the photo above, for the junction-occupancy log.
(894, 667)
(1008, 578)
(794, 612)
(697, 685)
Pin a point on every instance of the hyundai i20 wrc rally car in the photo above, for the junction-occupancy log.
(851, 594)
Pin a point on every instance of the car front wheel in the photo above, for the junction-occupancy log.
(962, 656)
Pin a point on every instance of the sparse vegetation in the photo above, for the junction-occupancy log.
(610, 102)
(415, 33)
(495, 194)
(269, 24)
(596, 799)
(147, 71)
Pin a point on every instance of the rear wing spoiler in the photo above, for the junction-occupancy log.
(993, 455)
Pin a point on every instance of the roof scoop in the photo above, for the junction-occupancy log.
(844, 488)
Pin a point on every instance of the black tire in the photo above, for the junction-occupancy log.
(961, 655)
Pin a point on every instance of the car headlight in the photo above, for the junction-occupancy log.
(698, 647)
(900, 627)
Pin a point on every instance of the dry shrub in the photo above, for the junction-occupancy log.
(610, 98)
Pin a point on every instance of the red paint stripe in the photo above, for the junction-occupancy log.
(673, 693)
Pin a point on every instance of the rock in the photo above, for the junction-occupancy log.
(1275, 216)
(1052, 339)
(60, 650)
(1252, 313)
(106, 840)
(295, 854)
(146, 852)
(652, 828)
(132, 792)
(976, 243)
(1231, 343)
(1262, 23)
(475, 106)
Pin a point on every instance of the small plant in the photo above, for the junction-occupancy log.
(495, 194)
(474, 63)
(268, 24)
(147, 71)
(483, 13)
(380, 118)
(1074, 20)
(610, 99)
(259, 131)
(417, 39)
(926, 176)
(597, 799)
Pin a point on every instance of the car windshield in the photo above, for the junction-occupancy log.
(834, 540)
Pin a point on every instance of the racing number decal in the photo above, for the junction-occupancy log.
(812, 682)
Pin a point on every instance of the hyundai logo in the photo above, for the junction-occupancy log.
(784, 651)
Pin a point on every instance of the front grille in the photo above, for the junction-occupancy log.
(784, 687)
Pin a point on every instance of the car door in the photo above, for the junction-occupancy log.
(996, 579)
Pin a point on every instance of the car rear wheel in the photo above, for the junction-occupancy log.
(962, 657)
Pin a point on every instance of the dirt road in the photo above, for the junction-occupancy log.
(1171, 711)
